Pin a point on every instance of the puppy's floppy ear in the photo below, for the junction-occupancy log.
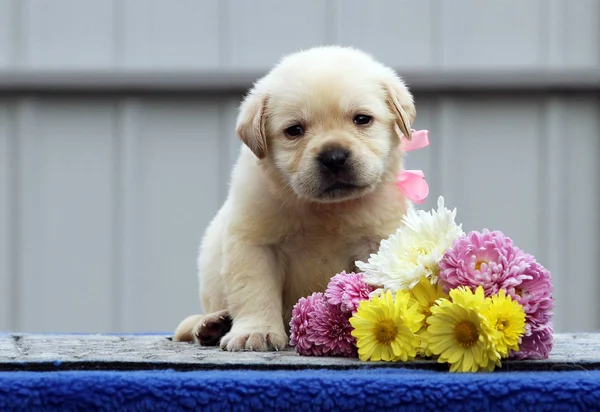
(250, 126)
(401, 102)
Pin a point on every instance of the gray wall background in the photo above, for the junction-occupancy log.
(117, 137)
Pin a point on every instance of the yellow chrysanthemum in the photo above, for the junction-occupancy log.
(424, 351)
(466, 297)
(426, 294)
(385, 327)
(459, 333)
(506, 317)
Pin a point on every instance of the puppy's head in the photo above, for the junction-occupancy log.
(328, 121)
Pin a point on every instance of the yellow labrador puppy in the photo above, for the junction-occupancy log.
(313, 191)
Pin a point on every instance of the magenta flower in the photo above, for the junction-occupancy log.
(300, 324)
(488, 259)
(534, 293)
(537, 344)
(320, 329)
(331, 332)
(539, 318)
(347, 290)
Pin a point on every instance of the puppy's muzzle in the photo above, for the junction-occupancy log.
(334, 161)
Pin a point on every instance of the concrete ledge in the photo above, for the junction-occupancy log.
(420, 81)
(25, 352)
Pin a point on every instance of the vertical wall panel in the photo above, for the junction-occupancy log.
(66, 215)
(571, 33)
(402, 33)
(68, 33)
(444, 149)
(7, 41)
(582, 153)
(553, 201)
(490, 34)
(6, 275)
(581, 31)
(175, 160)
(491, 165)
(261, 31)
(170, 33)
(230, 143)
(571, 189)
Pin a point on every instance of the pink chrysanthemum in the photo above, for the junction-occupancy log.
(347, 290)
(487, 259)
(320, 329)
(535, 293)
(537, 344)
(331, 331)
(300, 325)
(539, 318)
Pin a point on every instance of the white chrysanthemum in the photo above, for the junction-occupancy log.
(414, 250)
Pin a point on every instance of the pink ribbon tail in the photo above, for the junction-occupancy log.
(420, 139)
(412, 183)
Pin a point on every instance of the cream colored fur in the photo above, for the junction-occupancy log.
(277, 237)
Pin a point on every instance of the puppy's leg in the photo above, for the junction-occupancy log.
(212, 294)
(254, 283)
(183, 332)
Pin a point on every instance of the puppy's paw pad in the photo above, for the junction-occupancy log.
(210, 329)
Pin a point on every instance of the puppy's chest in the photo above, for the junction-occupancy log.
(314, 249)
(312, 257)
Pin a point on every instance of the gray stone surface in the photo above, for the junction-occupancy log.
(106, 352)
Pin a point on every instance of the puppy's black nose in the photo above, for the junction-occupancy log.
(334, 159)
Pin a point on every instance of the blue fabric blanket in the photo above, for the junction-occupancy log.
(308, 390)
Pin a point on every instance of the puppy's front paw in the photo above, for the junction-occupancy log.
(256, 341)
(209, 330)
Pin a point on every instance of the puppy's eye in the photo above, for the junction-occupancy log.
(362, 119)
(294, 131)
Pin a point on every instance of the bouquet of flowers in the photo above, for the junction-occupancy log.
(432, 291)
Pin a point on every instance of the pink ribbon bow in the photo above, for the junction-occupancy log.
(412, 182)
